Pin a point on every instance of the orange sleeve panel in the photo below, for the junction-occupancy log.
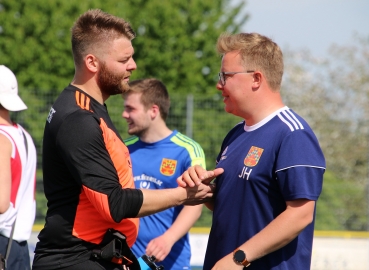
(119, 154)
(89, 224)
(93, 219)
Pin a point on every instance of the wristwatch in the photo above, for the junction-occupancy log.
(239, 257)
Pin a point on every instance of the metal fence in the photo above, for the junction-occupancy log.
(203, 118)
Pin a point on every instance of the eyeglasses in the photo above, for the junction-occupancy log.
(222, 75)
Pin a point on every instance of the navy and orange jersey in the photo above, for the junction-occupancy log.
(88, 181)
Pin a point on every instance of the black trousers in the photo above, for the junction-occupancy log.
(91, 264)
(94, 264)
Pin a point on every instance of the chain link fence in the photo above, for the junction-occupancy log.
(203, 118)
(199, 117)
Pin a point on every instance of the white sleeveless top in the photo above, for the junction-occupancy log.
(22, 196)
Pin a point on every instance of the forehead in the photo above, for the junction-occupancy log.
(231, 60)
(120, 47)
(133, 99)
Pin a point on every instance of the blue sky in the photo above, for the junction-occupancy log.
(308, 24)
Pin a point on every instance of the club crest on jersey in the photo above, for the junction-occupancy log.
(253, 156)
(168, 166)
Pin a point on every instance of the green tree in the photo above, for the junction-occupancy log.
(337, 197)
(175, 43)
(332, 93)
(175, 39)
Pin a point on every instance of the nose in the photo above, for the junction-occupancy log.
(132, 64)
(219, 86)
(125, 115)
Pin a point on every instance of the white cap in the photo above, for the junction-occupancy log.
(9, 98)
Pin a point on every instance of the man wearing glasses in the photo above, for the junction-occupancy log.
(273, 166)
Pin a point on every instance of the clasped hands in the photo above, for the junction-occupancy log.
(197, 181)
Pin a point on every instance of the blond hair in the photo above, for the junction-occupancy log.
(257, 53)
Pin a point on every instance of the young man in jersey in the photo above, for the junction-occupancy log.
(159, 156)
(87, 170)
(264, 203)
(17, 176)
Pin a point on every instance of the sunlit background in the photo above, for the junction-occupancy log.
(326, 49)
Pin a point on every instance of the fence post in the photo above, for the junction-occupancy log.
(189, 115)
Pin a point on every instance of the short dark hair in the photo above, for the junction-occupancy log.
(95, 27)
(153, 92)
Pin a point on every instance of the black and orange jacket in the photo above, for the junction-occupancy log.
(88, 181)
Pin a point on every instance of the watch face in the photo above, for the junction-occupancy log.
(239, 256)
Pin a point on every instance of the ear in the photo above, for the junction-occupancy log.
(155, 111)
(257, 79)
(92, 63)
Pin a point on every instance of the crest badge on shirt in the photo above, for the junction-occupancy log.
(253, 156)
(168, 166)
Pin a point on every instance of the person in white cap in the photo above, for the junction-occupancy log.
(17, 177)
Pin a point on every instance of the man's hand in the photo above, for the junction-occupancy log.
(155, 201)
(187, 193)
(159, 247)
(196, 175)
(198, 194)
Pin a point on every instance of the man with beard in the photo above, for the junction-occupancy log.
(87, 173)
